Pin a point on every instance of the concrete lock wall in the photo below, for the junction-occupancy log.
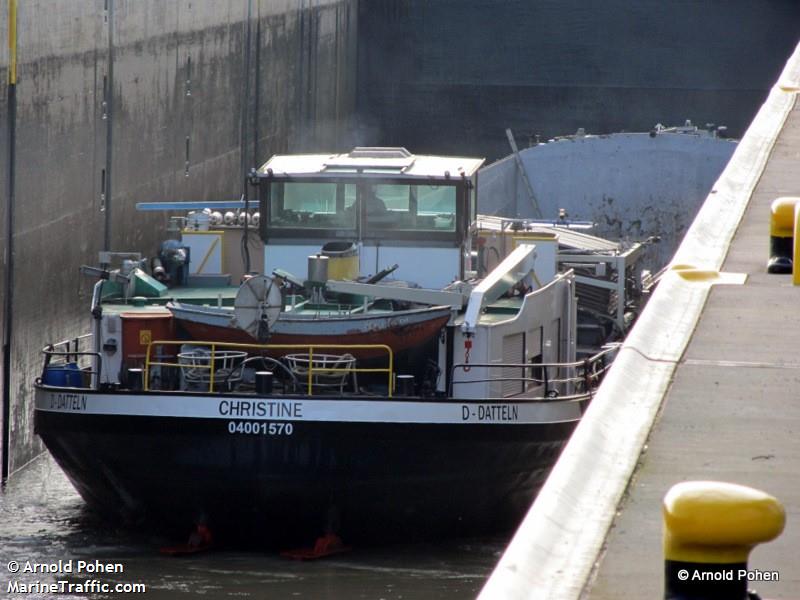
(123, 101)
(4, 190)
(454, 74)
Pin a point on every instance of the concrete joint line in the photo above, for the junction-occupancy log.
(739, 364)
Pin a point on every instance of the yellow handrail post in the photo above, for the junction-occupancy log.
(146, 376)
(212, 366)
(391, 372)
(310, 369)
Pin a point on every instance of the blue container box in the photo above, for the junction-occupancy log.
(68, 375)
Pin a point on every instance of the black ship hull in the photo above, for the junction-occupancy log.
(280, 469)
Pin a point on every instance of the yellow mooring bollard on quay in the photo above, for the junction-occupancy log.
(709, 530)
(784, 228)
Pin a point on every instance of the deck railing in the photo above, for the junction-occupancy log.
(582, 376)
(67, 355)
(223, 356)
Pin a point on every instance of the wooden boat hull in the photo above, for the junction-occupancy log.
(275, 468)
(400, 330)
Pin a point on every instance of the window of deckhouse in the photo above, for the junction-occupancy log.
(386, 207)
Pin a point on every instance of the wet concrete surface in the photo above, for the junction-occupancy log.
(43, 520)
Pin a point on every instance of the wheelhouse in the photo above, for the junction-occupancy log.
(388, 202)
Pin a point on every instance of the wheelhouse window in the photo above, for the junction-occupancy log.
(364, 208)
(410, 207)
(312, 206)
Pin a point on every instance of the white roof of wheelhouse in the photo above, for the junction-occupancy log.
(371, 162)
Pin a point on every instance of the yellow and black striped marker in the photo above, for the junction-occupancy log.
(709, 530)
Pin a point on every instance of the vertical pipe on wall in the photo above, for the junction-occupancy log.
(257, 91)
(12, 42)
(9, 233)
(244, 122)
(337, 78)
(109, 113)
(299, 103)
(244, 113)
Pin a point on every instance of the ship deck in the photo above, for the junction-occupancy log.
(705, 389)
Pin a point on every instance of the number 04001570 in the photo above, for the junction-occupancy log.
(260, 428)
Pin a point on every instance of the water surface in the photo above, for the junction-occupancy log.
(43, 520)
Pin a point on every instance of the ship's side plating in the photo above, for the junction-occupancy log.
(243, 462)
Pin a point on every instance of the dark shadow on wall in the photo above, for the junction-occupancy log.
(450, 76)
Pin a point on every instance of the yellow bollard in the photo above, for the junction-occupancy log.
(796, 236)
(782, 226)
(709, 530)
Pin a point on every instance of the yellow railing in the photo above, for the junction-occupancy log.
(255, 350)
